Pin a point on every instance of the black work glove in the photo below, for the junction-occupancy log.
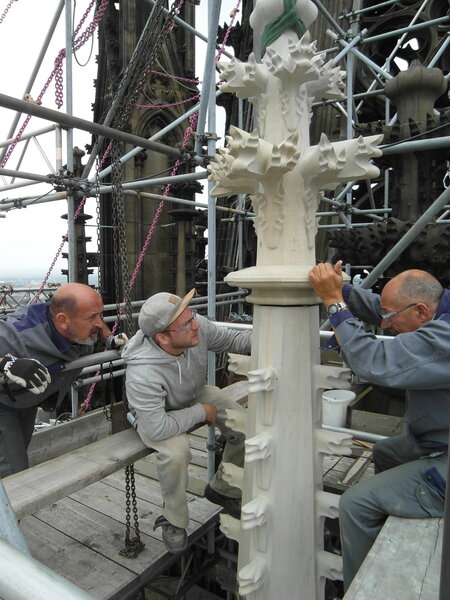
(116, 342)
(26, 372)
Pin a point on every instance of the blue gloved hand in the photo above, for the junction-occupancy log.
(26, 372)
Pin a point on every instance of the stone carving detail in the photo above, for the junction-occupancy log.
(254, 517)
(332, 442)
(261, 383)
(326, 377)
(252, 577)
(285, 177)
(258, 449)
(249, 162)
(253, 163)
(330, 565)
(238, 363)
(327, 504)
(230, 527)
(415, 178)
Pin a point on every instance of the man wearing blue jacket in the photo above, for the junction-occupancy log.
(45, 337)
(167, 362)
(411, 468)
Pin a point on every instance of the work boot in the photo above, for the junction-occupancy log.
(174, 538)
(231, 506)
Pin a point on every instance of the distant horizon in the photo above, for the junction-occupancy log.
(34, 276)
(30, 275)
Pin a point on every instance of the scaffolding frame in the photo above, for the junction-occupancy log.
(348, 49)
(341, 206)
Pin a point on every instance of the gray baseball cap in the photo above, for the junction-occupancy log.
(160, 310)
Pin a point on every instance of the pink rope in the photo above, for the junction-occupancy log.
(105, 156)
(77, 44)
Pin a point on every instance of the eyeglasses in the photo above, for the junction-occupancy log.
(389, 317)
(187, 326)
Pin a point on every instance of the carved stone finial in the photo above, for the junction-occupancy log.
(415, 91)
(267, 11)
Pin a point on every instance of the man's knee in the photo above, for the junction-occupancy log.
(176, 451)
(349, 502)
(378, 457)
(384, 456)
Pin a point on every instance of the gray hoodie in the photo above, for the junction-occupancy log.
(163, 389)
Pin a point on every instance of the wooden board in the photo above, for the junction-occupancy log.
(88, 526)
(49, 481)
(38, 486)
(80, 537)
(57, 551)
(335, 469)
(363, 420)
(148, 491)
(59, 439)
(403, 563)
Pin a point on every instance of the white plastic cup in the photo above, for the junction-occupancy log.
(334, 406)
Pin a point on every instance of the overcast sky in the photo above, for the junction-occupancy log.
(30, 237)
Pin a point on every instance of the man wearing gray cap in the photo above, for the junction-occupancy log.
(166, 388)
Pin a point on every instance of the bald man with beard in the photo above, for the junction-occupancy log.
(43, 337)
(411, 468)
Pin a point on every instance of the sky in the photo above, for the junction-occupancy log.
(31, 236)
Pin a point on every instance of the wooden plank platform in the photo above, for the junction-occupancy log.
(80, 536)
(335, 469)
(72, 507)
(44, 483)
(404, 562)
(52, 441)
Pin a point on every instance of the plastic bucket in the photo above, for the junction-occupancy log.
(334, 406)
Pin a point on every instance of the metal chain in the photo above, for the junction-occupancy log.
(5, 12)
(61, 246)
(98, 225)
(143, 59)
(85, 36)
(83, 18)
(57, 71)
(144, 55)
(59, 79)
(162, 106)
(132, 545)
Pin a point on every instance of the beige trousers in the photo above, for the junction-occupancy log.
(174, 456)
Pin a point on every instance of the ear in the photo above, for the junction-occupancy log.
(424, 312)
(61, 322)
(161, 339)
